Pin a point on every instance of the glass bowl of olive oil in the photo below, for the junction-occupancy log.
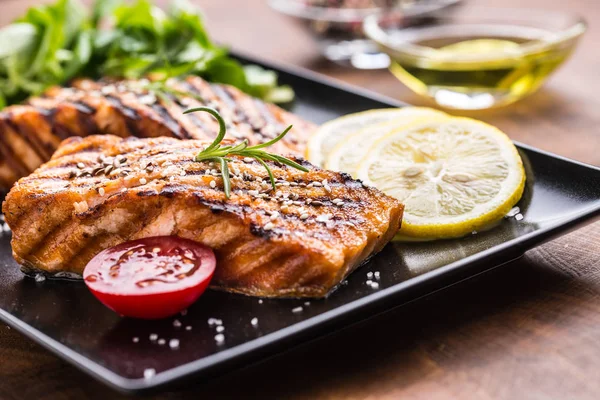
(474, 57)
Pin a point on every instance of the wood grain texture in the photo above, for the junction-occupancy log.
(528, 330)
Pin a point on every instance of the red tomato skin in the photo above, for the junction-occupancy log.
(152, 303)
(151, 306)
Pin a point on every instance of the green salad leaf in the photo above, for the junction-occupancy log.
(52, 44)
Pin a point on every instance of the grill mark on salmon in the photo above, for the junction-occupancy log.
(268, 243)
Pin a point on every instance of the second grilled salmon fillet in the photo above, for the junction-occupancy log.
(30, 133)
(301, 240)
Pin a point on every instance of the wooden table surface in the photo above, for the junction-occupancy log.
(528, 330)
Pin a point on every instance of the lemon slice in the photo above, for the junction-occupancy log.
(454, 176)
(334, 131)
(346, 155)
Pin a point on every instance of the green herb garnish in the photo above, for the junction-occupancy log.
(51, 44)
(218, 153)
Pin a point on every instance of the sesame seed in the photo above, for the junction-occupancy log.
(220, 338)
(269, 226)
(135, 339)
(213, 184)
(248, 159)
(182, 173)
(161, 342)
(254, 321)
(80, 165)
(285, 184)
(297, 310)
(304, 216)
(253, 192)
(310, 185)
(153, 337)
(324, 182)
(177, 323)
(174, 343)
(274, 215)
(327, 188)
(307, 303)
(317, 184)
(101, 191)
(323, 218)
(284, 208)
(123, 190)
(149, 373)
(143, 181)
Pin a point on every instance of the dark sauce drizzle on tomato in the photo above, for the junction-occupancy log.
(167, 268)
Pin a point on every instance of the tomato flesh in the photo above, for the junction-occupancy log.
(151, 278)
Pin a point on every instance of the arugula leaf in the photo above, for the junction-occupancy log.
(54, 43)
(17, 38)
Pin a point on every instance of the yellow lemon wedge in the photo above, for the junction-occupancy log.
(328, 135)
(454, 176)
(345, 156)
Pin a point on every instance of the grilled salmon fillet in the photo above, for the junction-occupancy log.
(298, 241)
(30, 133)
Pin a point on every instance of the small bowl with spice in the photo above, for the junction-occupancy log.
(337, 25)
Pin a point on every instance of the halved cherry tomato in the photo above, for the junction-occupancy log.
(151, 278)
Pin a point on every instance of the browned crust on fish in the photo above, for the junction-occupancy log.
(30, 133)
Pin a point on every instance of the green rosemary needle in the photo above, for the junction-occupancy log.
(218, 153)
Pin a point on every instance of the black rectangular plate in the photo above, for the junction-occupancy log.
(64, 317)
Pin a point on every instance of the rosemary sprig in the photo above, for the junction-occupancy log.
(218, 153)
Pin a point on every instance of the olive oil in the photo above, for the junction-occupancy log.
(478, 66)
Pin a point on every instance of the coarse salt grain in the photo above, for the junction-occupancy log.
(40, 278)
(174, 343)
(297, 310)
(220, 328)
(135, 339)
(269, 226)
(220, 338)
(519, 217)
(101, 191)
(375, 285)
(153, 337)
(377, 275)
(260, 301)
(161, 342)
(177, 323)
(188, 328)
(254, 321)
(149, 373)
(369, 275)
